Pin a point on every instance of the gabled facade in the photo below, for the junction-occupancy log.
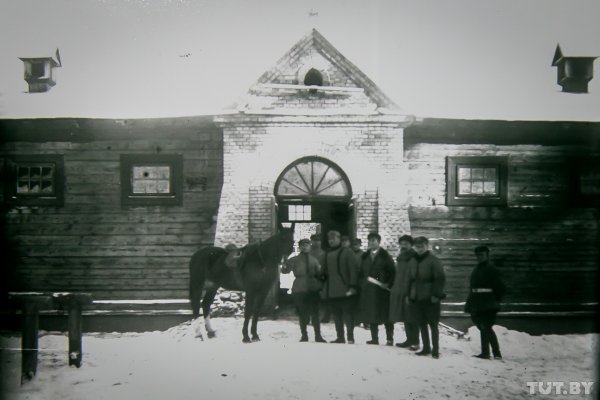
(117, 207)
(344, 122)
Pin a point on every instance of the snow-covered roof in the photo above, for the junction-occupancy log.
(143, 59)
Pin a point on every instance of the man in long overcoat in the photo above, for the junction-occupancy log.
(425, 291)
(356, 248)
(483, 303)
(374, 300)
(305, 289)
(316, 250)
(399, 304)
(340, 270)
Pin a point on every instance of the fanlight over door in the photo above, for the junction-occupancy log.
(311, 178)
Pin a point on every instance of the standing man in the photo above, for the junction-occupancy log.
(377, 275)
(345, 241)
(399, 304)
(316, 250)
(356, 248)
(306, 287)
(483, 302)
(341, 286)
(315, 247)
(425, 291)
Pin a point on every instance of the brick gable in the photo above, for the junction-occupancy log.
(345, 88)
(346, 120)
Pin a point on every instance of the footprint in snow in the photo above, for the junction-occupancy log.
(278, 335)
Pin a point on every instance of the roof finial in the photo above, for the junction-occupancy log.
(58, 58)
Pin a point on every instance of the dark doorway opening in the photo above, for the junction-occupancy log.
(315, 195)
(315, 190)
(310, 217)
(328, 215)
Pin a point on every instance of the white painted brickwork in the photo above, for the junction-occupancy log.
(256, 153)
(281, 121)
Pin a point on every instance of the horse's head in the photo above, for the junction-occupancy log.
(286, 241)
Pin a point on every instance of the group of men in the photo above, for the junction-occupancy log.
(368, 287)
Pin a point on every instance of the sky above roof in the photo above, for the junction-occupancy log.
(140, 59)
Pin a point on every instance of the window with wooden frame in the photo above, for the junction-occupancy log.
(34, 180)
(301, 212)
(585, 181)
(151, 179)
(476, 181)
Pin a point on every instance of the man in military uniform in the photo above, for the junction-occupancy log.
(426, 280)
(399, 304)
(377, 275)
(356, 248)
(483, 303)
(305, 289)
(315, 247)
(340, 270)
(345, 241)
(316, 250)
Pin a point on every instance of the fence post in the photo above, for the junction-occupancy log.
(30, 304)
(74, 302)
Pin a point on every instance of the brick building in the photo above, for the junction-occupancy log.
(293, 139)
(118, 206)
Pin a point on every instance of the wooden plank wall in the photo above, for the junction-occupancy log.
(95, 244)
(546, 249)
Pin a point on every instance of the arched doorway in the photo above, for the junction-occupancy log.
(315, 194)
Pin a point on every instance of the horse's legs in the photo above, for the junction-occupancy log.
(207, 300)
(196, 284)
(258, 305)
(197, 278)
(248, 311)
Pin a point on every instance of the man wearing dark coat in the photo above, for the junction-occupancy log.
(315, 247)
(317, 252)
(358, 252)
(377, 275)
(425, 291)
(356, 248)
(399, 304)
(485, 292)
(305, 289)
(340, 272)
(346, 241)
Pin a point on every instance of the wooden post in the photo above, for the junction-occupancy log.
(30, 303)
(75, 354)
(73, 302)
(29, 341)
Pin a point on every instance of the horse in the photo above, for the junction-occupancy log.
(255, 275)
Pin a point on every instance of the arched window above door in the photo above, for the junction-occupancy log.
(311, 178)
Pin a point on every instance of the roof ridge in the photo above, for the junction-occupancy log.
(353, 71)
(316, 40)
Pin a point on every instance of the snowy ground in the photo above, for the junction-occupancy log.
(174, 365)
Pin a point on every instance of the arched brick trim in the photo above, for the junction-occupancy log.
(313, 184)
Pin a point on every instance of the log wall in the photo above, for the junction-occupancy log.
(94, 243)
(545, 247)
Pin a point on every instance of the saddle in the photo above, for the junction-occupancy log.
(235, 255)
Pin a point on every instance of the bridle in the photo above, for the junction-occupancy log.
(281, 236)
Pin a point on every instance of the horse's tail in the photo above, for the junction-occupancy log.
(200, 266)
